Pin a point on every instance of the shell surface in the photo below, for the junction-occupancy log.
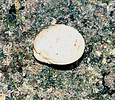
(59, 44)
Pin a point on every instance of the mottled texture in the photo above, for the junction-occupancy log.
(23, 78)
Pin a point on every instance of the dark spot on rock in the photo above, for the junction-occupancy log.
(12, 9)
(111, 13)
(95, 59)
(21, 8)
(110, 92)
(88, 49)
(104, 73)
(97, 83)
(72, 17)
(71, 5)
(12, 12)
(62, 20)
(105, 90)
(20, 69)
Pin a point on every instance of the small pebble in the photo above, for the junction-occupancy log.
(98, 53)
(104, 61)
(112, 52)
(2, 96)
(1, 74)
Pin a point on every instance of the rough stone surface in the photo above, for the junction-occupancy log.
(23, 78)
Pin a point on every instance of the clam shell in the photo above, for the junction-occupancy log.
(59, 44)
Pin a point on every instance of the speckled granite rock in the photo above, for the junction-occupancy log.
(22, 77)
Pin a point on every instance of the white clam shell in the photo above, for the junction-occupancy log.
(59, 44)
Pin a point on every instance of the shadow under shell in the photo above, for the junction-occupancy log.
(63, 67)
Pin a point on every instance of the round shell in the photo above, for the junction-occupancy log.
(59, 44)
